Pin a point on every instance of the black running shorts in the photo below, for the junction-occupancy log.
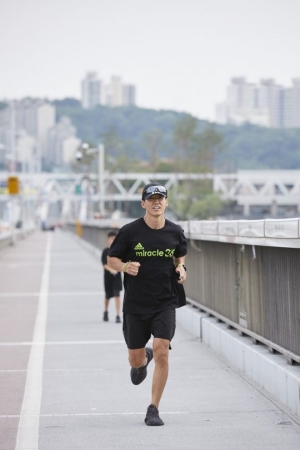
(109, 293)
(138, 328)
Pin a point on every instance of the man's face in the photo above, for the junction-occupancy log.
(155, 204)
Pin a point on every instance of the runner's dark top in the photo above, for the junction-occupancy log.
(155, 288)
(111, 282)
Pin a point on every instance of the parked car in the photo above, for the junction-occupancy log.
(47, 226)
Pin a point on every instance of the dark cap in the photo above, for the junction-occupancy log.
(154, 188)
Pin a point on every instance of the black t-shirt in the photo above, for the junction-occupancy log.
(110, 281)
(155, 288)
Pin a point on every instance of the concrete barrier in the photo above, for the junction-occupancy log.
(270, 372)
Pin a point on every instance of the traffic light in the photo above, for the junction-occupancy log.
(13, 185)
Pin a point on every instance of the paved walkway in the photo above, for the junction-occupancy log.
(64, 375)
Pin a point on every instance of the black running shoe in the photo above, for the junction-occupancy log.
(138, 375)
(105, 316)
(152, 417)
(118, 320)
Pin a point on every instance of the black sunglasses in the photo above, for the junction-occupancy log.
(155, 190)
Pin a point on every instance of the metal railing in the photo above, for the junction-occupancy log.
(259, 296)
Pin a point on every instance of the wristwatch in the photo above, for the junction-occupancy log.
(181, 265)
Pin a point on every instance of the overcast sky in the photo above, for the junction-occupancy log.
(180, 54)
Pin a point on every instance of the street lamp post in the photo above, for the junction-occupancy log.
(85, 150)
(101, 162)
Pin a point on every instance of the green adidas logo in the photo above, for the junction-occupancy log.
(139, 247)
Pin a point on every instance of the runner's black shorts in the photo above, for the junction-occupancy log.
(138, 328)
(111, 292)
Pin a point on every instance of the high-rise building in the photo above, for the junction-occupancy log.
(114, 93)
(91, 91)
(57, 135)
(267, 104)
(26, 117)
(129, 94)
(296, 103)
(45, 119)
(270, 102)
(26, 151)
(287, 113)
(241, 100)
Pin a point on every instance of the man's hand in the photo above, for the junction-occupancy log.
(132, 268)
(181, 274)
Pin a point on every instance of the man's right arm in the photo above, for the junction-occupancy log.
(129, 267)
(115, 263)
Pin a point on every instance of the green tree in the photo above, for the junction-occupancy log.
(119, 154)
(184, 131)
(198, 151)
(112, 141)
(153, 143)
(184, 138)
(196, 200)
(206, 207)
(208, 144)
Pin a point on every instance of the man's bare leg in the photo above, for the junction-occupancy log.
(105, 314)
(118, 306)
(137, 358)
(161, 369)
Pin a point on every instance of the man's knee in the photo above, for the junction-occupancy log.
(161, 351)
(137, 357)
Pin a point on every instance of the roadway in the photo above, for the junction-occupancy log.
(64, 375)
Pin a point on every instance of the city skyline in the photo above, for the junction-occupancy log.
(265, 103)
(97, 92)
(180, 54)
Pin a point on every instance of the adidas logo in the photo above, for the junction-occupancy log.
(139, 247)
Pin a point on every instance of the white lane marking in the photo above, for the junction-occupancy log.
(56, 370)
(50, 294)
(14, 265)
(28, 429)
(43, 343)
(90, 414)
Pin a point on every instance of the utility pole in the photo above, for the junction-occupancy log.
(101, 172)
(86, 151)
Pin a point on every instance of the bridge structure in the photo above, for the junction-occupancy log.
(74, 194)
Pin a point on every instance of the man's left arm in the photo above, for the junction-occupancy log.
(180, 268)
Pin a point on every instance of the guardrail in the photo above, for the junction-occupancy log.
(5, 239)
(10, 238)
(267, 232)
(245, 273)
